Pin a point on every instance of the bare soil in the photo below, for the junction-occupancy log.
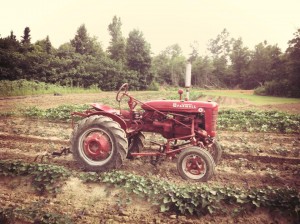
(249, 160)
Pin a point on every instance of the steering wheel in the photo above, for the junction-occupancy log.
(123, 90)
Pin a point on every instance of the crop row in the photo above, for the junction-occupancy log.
(233, 120)
(259, 121)
(185, 199)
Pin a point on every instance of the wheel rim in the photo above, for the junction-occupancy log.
(194, 166)
(95, 146)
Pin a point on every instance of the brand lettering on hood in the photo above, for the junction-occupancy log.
(184, 105)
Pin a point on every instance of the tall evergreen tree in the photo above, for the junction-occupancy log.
(117, 46)
(138, 57)
(12, 36)
(26, 38)
(84, 44)
(81, 40)
(48, 45)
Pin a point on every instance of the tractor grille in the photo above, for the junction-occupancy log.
(214, 120)
(211, 116)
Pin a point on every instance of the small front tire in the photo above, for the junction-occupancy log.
(195, 164)
(216, 152)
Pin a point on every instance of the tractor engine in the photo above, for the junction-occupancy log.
(176, 119)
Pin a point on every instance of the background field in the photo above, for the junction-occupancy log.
(259, 169)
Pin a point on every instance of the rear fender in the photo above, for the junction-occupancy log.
(113, 117)
(106, 108)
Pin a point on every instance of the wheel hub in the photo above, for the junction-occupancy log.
(97, 146)
(195, 166)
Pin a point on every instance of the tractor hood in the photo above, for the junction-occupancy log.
(179, 106)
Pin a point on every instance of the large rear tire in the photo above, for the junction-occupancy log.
(195, 164)
(216, 152)
(135, 144)
(99, 144)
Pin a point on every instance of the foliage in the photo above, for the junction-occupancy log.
(229, 119)
(45, 178)
(138, 57)
(83, 63)
(26, 38)
(84, 44)
(169, 66)
(185, 199)
(34, 213)
(261, 121)
(293, 62)
(23, 87)
(62, 112)
(117, 45)
(154, 86)
(275, 88)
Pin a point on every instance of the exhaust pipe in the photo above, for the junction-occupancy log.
(188, 78)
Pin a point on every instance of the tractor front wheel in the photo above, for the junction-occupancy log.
(98, 143)
(195, 164)
(216, 152)
(135, 144)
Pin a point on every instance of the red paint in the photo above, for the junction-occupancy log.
(97, 146)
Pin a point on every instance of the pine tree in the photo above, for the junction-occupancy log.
(26, 38)
(117, 45)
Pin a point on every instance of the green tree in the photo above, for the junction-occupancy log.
(26, 41)
(264, 65)
(84, 44)
(293, 63)
(10, 58)
(169, 66)
(138, 57)
(45, 45)
(12, 36)
(80, 40)
(220, 47)
(202, 69)
(239, 57)
(117, 46)
(26, 38)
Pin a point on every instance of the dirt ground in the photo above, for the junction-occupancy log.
(249, 160)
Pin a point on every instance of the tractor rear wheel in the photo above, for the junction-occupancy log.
(195, 164)
(98, 143)
(135, 144)
(216, 152)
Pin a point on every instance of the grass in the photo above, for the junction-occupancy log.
(23, 87)
(248, 95)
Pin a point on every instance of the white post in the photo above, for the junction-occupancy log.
(188, 77)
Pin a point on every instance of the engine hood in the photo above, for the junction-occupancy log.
(179, 106)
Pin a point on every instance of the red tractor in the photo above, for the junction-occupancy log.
(105, 137)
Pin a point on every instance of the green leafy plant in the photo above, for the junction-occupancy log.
(260, 121)
(185, 199)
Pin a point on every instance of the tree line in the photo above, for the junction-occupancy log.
(83, 62)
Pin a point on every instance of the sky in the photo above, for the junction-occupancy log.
(162, 22)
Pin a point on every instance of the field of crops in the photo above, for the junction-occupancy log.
(257, 180)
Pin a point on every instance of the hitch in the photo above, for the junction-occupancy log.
(61, 152)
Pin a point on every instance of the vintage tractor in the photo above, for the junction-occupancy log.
(105, 137)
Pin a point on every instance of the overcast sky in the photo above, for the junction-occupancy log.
(163, 22)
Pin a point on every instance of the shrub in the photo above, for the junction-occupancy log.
(154, 86)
